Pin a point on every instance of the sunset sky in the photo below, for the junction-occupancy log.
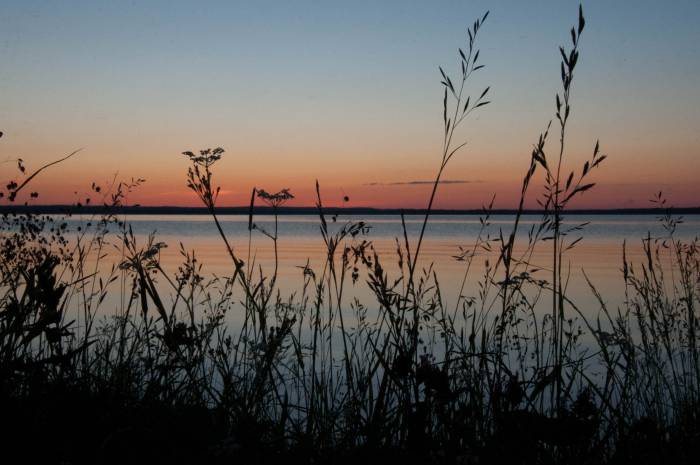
(346, 92)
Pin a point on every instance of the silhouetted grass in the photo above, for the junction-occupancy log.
(319, 377)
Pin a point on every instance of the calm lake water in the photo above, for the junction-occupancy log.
(599, 253)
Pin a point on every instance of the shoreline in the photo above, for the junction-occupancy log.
(355, 211)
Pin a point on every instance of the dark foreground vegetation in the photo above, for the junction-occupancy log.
(513, 373)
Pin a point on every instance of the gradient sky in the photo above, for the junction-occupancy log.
(347, 93)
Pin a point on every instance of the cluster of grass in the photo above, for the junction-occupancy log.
(320, 377)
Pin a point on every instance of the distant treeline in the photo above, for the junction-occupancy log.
(263, 210)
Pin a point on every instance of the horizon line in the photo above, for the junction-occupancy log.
(305, 210)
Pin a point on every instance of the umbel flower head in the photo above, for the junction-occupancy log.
(206, 157)
(276, 199)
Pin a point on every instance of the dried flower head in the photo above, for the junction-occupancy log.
(276, 199)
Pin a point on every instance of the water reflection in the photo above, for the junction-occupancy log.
(600, 253)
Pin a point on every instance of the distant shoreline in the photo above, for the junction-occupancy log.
(358, 211)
